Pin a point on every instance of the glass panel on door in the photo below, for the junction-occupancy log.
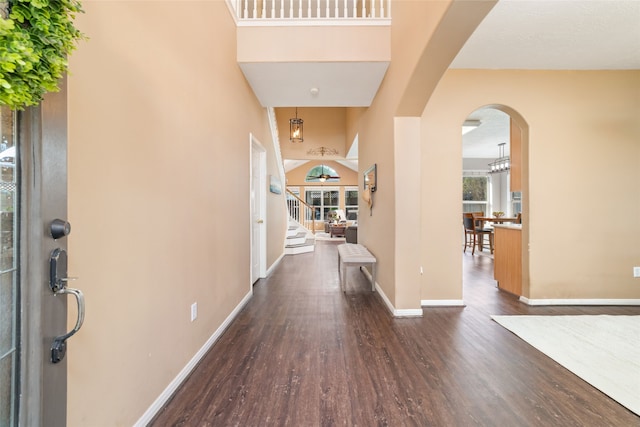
(8, 270)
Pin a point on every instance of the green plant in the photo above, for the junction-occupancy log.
(36, 36)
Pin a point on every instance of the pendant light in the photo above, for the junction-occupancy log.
(501, 164)
(295, 129)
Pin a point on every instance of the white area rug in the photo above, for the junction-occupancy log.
(602, 350)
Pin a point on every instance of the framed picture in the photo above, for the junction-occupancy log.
(274, 185)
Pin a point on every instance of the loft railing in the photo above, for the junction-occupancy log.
(311, 9)
(302, 212)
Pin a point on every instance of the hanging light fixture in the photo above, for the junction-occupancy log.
(323, 176)
(501, 164)
(295, 129)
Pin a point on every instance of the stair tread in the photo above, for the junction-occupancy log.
(308, 242)
(298, 235)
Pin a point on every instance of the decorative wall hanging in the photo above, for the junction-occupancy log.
(274, 185)
(322, 151)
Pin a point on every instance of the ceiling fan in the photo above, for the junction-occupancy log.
(323, 175)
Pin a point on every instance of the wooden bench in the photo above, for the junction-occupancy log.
(355, 254)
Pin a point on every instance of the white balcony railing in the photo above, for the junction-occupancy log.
(311, 9)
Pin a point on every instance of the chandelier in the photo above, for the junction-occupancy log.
(501, 164)
(295, 129)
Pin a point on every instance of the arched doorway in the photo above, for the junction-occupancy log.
(494, 182)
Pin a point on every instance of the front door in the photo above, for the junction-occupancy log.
(34, 291)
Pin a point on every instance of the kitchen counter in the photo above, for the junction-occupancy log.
(507, 254)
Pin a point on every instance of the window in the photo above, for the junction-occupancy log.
(325, 199)
(351, 203)
(475, 193)
(516, 202)
(322, 173)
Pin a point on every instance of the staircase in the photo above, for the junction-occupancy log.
(300, 235)
(299, 239)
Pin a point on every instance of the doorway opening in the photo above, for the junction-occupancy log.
(494, 146)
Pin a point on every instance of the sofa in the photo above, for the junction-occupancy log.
(351, 234)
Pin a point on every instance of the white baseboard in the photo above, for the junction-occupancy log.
(408, 312)
(275, 264)
(580, 301)
(442, 303)
(173, 385)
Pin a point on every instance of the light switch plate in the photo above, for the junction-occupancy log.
(636, 271)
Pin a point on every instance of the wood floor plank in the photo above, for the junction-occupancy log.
(303, 353)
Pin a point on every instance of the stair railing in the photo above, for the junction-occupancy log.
(311, 9)
(302, 212)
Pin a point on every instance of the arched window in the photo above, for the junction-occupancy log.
(322, 173)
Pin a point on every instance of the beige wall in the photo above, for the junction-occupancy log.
(582, 164)
(413, 24)
(159, 124)
(313, 43)
(353, 122)
(323, 127)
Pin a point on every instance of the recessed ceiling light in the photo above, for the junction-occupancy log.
(470, 125)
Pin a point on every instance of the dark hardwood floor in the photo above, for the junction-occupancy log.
(302, 353)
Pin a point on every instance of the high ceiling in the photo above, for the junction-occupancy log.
(547, 35)
(556, 35)
(541, 34)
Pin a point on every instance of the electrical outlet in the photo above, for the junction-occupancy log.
(194, 311)
(636, 271)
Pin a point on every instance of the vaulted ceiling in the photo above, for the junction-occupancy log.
(539, 35)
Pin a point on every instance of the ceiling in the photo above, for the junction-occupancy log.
(556, 35)
(315, 84)
(546, 35)
(482, 142)
(524, 34)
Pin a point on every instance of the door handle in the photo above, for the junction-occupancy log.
(260, 221)
(59, 346)
(58, 283)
